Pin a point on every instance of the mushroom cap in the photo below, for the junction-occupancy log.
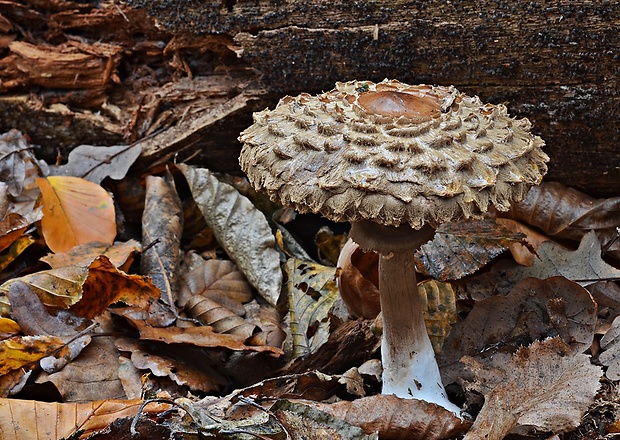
(392, 153)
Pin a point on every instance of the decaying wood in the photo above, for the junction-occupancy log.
(553, 63)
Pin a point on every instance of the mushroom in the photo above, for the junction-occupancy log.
(395, 160)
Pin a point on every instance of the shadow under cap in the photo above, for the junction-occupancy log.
(371, 236)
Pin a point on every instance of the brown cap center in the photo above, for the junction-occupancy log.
(395, 104)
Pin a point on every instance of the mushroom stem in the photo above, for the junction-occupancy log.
(409, 366)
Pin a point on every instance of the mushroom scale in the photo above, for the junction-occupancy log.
(392, 152)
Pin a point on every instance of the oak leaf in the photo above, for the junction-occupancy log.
(546, 385)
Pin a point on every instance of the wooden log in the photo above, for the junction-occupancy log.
(556, 64)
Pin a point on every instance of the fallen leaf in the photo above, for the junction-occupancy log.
(329, 244)
(21, 351)
(311, 291)
(118, 253)
(75, 211)
(59, 420)
(584, 266)
(240, 229)
(463, 248)
(567, 213)
(395, 418)
(221, 319)
(162, 227)
(198, 377)
(218, 280)
(12, 227)
(534, 309)
(15, 250)
(522, 254)
(95, 163)
(439, 303)
(267, 319)
(306, 421)
(546, 385)
(93, 375)
(9, 328)
(15, 153)
(198, 336)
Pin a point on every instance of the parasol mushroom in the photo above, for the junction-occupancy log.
(395, 160)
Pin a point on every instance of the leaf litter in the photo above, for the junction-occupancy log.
(518, 336)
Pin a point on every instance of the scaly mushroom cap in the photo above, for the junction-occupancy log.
(392, 153)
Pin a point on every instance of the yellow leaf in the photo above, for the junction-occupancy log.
(75, 211)
(20, 351)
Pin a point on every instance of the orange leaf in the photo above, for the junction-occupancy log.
(75, 211)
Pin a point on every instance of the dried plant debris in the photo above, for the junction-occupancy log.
(240, 229)
(547, 386)
(534, 309)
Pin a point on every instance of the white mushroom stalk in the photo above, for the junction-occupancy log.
(401, 157)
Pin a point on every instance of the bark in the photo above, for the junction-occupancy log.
(74, 73)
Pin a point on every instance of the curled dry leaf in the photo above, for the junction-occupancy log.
(267, 319)
(162, 227)
(12, 227)
(311, 291)
(567, 213)
(461, 249)
(95, 163)
(534, 309)
(395, 418)
(240, 229)
(358, 280)
(218, 280)
(547, 385)
(524, 255)
(221, 319)
(554, 259)
(119, 254)
(197, 376)
(75, 211)
(198, 336)
(60, 420)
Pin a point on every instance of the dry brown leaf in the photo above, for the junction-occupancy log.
(546, 385)
(95, 163)
(197, 336)
(267, 319)
(461, 249)
(240, 229)
(57, 420)
(534, 309)
(14, 251)
(521, 253)
(75, 211)
(221, 319)
(119, 254)
(567, 213)
(311, 292)
(218, 280)
(329, 244)
(395, 418)
(162, 227)
(554, 259)
(359, 280)
(198, 377)
(12, 227)
(15, 158)
(93, 375)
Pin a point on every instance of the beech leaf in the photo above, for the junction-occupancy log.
(95, 163)
(567, 213)
(584, 266)
(75, 211)
(545, 385)
(611, 356)
(60, 420)
(461, 249)
(534, 309)
(240, 228)
(311, 291)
